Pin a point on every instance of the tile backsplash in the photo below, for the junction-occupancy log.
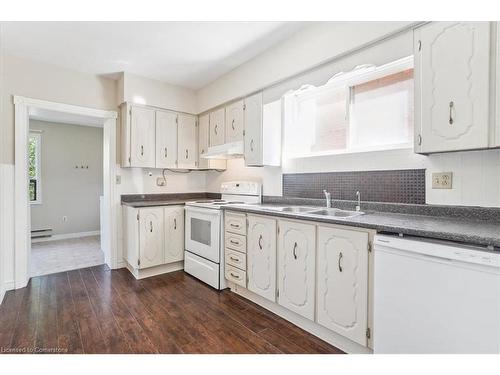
(397, 186)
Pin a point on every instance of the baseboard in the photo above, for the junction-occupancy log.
(313, 328)
(154, 271)
(66, 236)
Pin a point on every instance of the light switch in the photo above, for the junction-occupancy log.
(443, 180)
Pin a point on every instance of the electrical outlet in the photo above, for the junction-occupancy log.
(443, 180)
(160, 181)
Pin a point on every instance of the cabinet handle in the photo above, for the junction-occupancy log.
(340, 258)
(251, 145)
(295, 250)
(234, 259)
(202, 150)
(419, 140)
(151, 226)
(234, 225)
(232, 124)
(419, 45)
(175, 224)
(234, 242)
(260, 242)
(166, 152)
(187, 153)
(215, 129)
(142, 150)
(233, 275)
(451, 116)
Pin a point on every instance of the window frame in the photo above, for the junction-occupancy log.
(38, 167)
(359, 75)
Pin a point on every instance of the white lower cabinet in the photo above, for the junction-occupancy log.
(342, 287)
(261, 256)
(296, 267)
(153, 236)
(174, 234)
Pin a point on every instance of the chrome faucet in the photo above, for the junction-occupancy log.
(358, 196)
(328, 197)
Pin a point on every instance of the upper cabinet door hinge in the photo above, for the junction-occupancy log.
(368, 333)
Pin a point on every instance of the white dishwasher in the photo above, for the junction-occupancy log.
(435, 297)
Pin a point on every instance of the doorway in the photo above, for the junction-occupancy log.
(65, 168)
(27, 109)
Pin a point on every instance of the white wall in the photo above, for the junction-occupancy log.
(67, 191)
(147, 91)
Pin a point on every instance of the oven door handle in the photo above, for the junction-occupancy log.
(204, 211)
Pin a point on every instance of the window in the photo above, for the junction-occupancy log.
(34, 173)
(368, 109)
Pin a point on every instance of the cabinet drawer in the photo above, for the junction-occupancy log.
(236, 242)
(236, 259)
(236, 276)
(235, 223)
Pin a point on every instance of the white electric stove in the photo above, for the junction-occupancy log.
(204, 253)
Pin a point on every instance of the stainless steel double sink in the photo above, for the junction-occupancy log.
(316, 211)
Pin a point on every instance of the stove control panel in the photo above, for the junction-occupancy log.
(241, 188)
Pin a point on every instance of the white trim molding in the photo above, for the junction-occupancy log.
(23, 108)
(66, 236)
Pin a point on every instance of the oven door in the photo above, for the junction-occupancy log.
(203, 232)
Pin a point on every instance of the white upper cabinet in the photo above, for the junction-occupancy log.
(151, 233)
(496, 142)
(174, 233)
(342, 289)
(203, 144)
(261, 256)
(166, 139)
(217, 127)
(234, 122)
(262, 134)
(296, 267)
(187, 147)
(452, 64)
(142, 137)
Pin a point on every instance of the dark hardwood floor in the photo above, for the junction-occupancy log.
(95, 310)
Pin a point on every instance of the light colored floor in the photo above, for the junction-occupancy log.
(64, 255)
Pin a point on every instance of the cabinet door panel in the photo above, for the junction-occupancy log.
(217, 127)
(452, 86)
(253, 130)
(142, 137)
(187, 146)
(342, 290)
(174, 234)
(234, 122)
(166, 139)
(151, 237)
(203, 144)
(296, 267)
(261, 256)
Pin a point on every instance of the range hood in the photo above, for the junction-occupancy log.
(233, 150)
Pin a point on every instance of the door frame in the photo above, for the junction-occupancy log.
(24, 107)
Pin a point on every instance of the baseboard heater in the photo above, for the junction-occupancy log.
(41, 233)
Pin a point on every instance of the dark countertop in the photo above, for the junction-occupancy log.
(470, 231)
(174, 199)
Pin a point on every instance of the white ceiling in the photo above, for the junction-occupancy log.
(188, 54)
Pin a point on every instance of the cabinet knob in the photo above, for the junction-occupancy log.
(151, 226)
(295, 251)
(187, 154)
(175, 224)
(260, 242)
(251, 145)
(142, 150)
(166, 152)
(215, 129)
(340, 259)
(232, 124)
